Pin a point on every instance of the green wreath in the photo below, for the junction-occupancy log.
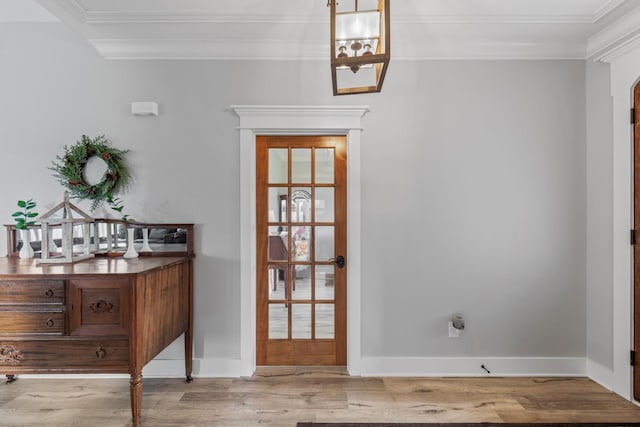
(69, 170)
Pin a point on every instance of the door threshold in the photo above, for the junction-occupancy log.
(300, 371)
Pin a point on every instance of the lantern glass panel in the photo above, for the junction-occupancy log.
(366, 76)
(358, 25)
(352, 5)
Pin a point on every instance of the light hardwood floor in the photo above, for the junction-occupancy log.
(285, 396)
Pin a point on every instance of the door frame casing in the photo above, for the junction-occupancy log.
(635, 297)
(624, 77)
(297, 120)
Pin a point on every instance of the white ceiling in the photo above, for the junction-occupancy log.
(299, 29)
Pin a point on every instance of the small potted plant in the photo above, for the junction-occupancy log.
(24, 220)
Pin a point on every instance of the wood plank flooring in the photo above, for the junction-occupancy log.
(279, 396)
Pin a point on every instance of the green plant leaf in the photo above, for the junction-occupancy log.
(22, 204)
(17, 214)
(32, 214)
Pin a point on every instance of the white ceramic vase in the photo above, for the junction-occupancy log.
(26, 251)
(145, 241)
(131, 250)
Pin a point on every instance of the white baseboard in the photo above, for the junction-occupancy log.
(402, 366)
(389, 366)
(600, 374)
(203, 368)
(472, 366)
(167, 368)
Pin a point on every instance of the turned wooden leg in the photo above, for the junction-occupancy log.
(11, 378)
(135, 388)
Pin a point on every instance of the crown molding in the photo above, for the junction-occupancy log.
(233, 35)
(628, 45)
(216, 49)
(194, 17)
(71, 7)
(97, 17)
(513, 50)
(606, 9)
(157, 17)
(494, 19)
(615, 39)
(288, 50)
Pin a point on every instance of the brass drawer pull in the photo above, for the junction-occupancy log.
(101, 353)
(48, 293)
(49, 322)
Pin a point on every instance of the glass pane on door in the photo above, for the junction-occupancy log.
(277, 245)
(301, 165)
(324, 204)
(324, 282)
(278, 165)
(325, 243)
(278, 321)
(301, 244)
(301, 204)
(301, 321)
(301, 285)
(277, 210)
(324, 165)
(325, 321)
(277, 281)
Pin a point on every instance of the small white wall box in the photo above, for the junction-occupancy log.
(144, 108)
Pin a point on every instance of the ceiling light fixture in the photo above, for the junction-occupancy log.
(360, 45)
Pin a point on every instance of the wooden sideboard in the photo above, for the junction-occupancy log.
(102, 315)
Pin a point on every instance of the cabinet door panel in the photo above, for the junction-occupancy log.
(99, 307)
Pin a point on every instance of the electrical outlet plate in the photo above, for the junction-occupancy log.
(453, 332)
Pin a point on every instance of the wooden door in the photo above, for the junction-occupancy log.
(636, 248)
(301, 212)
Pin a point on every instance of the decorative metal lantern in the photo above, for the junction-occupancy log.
(360, 45)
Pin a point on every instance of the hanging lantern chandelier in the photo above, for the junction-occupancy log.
(360, 45)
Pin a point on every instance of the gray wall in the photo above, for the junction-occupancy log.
(481, 210)
(473, 182)
(599, 214)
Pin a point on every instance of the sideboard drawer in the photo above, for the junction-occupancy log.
(52, 355)
(31, 322)
(32, 292)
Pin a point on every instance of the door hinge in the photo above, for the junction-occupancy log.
(633, 116)
(632, 237)
(633, 358)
